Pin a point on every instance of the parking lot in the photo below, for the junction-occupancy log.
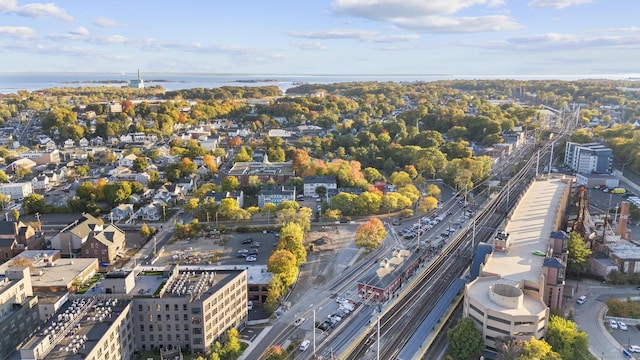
(219, 249)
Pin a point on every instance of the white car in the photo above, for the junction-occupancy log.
(299, 321)
(613, 324)
(251, 258)
(622, 326)
(341, 300)
(634, 348)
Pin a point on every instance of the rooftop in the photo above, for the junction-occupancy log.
(529, 230)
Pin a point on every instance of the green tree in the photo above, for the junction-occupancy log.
(117, 193)
(370, 234)
(16, 214)
(465, 340)
(230, 183)
(566, 340)
(269, 209)
(228, 208)
(34, 203)
(579, 253)
(140, 164)
(3, 177)
(22, 171)
(275, 291)
(321, 191)
(82, 170)
(581, 136)
(400, 179)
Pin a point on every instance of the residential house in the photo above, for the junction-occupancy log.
(15, 237)
(210, 143)
(276, 195)
(127, 161)
(71, 238)
(69, 144)
(105, 245)
(21, 163)
(153, 211)
(121, 212)
(217, 197)
(187, 184)
(114, 107)
(311, 183)
(83, 142)
(40, 183)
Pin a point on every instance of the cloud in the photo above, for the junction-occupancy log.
(563, 42)
(18, 32)
(557, 4)
(34, 10)
(427, 16)
(389, 9)
(81, 31)
(105, 22)
(310, 46)
(354, 34)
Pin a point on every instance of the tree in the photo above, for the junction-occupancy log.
(230, 183)
(16, 214)
(269, 209)
(400, 179)
(579, 253)
(283, 263)
(535, 349)
(242, 156)
(3, 177)
(34, 203)
(145, 231)
(427, 203)
(232, 346)
(465, 340)
(275, 292)
(81, 170)
(370, 234)
(140, 164)
(321, 191)
(117, 193)
(22, 171)
(566, 340)
(228, 207)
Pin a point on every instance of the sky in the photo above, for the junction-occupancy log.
(323, 37)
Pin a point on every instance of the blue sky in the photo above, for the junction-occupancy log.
(449, 37)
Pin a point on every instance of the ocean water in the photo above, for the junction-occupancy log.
(12, 82)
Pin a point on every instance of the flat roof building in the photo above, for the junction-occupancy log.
(523, 277)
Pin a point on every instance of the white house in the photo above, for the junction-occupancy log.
(40, 183)
(127, 161)
(68, 144)
(121, 212)
(311, 183)
(16, 191)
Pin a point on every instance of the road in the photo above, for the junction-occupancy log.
(589, 317)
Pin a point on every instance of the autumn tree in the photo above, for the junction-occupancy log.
(566, 340)
(145, 231)
(275, 291)
(283, 263)
(370, 234)
(538, 349)
(230, 183)
(579, 253)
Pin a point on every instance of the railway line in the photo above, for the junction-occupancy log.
(421, 296)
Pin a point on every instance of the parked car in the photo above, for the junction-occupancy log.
(251, 258)
(247, 241)
(256, 244)
(243, 253)
(622, 326)
(341, 300)
(634, 348)
(613, 324)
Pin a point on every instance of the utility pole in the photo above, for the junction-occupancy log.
(378, 350)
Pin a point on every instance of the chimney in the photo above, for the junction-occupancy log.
(624, 218)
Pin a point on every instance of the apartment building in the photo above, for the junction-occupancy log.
(19, 317)
(17, 191)
(311, 183)
(276, 195)
(87, 328)
(588, 158)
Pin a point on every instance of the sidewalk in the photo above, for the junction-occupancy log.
(254, 342)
